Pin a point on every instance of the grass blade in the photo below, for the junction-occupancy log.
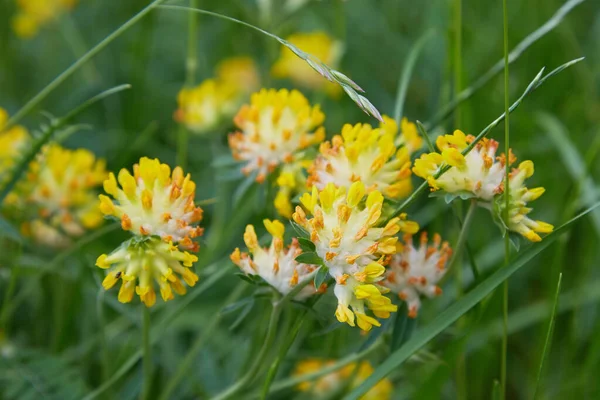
(573, 161)
(38, 98)
(548, 337)
(332, 75)
(407, 71)
(498, 67)
(456, 310)
(47, 133)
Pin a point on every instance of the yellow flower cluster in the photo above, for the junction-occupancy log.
(203, 107)
(334, 381)
(321, 46)
(157, 206)
(344, 230)
(145, 261)
(273, 127)
(275, 264)
(362, 153)
(480, 174)
(61, 187)
(290, 182)
(33, 14)
(415, 271)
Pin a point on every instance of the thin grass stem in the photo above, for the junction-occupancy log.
(147, 357)
(548, 341)
(507, 201)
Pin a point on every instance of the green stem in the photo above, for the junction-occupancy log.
(74, 39)
(147, 357)
(507, 201)
(462, 236)
(258, 361)
(106, 363)
(38, 98)
(200, 341)
(12, 284)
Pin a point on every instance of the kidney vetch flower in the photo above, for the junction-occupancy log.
(344, 230)
(273, 127)
(275, 264)
(415, 271)
(362, 153)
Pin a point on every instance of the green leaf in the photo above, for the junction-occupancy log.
(403, 327)
(237, 305)
(321, 276)
(309, 258)
(300, 231)
(306, 245)
(459, 308)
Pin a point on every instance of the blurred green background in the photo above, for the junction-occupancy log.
(558, 127)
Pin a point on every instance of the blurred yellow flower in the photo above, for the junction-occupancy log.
(290, 182)
(144, 260)
(273, 127)
(520, 195)
(33, 14)
(12, 143)
(362, 153)
(415, 271)
(154, 202)
(239, 72)
(275, 264)
(60, 188)
(330, 383)
(345, 233)
(203, 107)
(319, 45)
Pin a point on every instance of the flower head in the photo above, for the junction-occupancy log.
(362, 153)
(415, 271)
(344, 230)
(317, 44)
(334, 381)
(142, 261)
(60, 189)
(275, 264)
(240, 73)
(520, 195)
(479, 173)
(154, 202)
(203, 107)
(273, 127)
(35, 13)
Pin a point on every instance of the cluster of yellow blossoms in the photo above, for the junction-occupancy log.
(202, 108)
(318, 44)
(276, 264)
(331, 383)
(344, 230)
(480, 174)
(157, 206)
(55, 202)
(415, 271)
(368, 155)
(33, 14)
(273, 127)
